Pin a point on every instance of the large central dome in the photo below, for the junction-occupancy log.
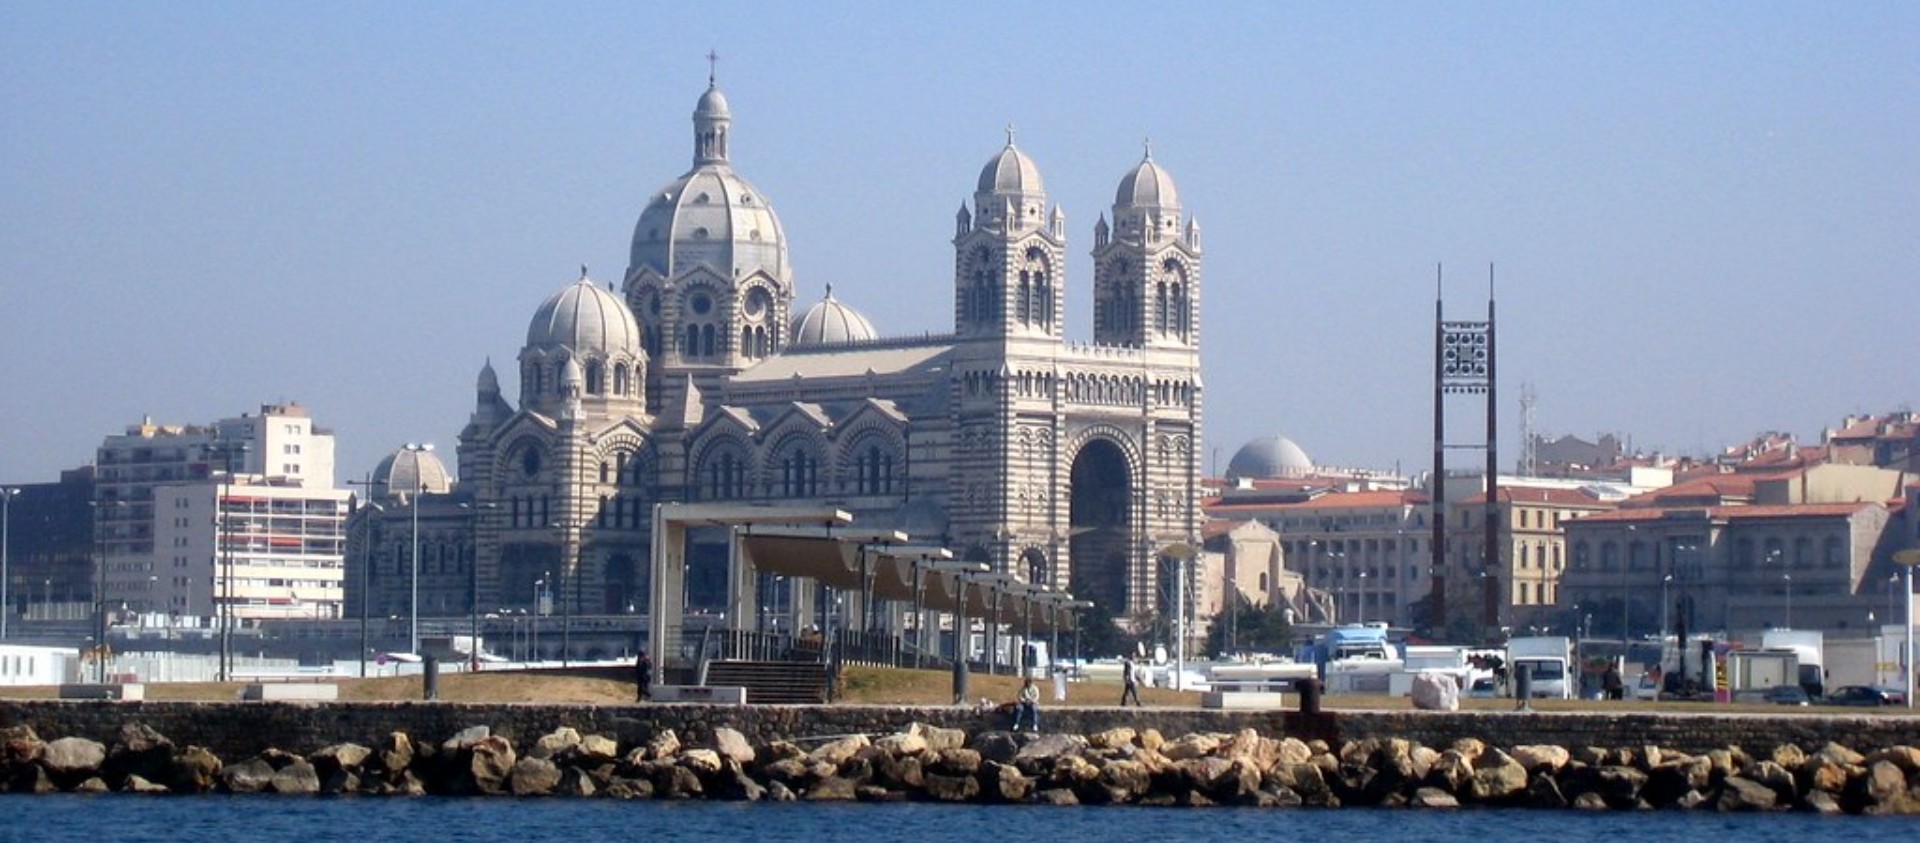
(709, 216)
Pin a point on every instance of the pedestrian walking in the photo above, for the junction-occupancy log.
(642, 677)
(1130, 682)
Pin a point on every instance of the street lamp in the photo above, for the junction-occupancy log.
(366, 576)
(1907, 559)
(413, 612)
(1633, 547)
(1788, 580)
(6, 524)
(473, 575)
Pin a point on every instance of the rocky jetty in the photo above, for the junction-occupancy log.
(1119, 766)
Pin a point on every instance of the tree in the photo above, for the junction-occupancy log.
(1100, 637)
(1254, 629)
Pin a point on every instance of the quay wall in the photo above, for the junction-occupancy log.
(235, 730)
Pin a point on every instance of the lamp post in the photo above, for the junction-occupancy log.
(1788, 580)
(223, 589)
(419, 486)
(539, 608)
(366, 577)
(1633, 547)
(1665, 582)
(6, 525)
(1907, 559)
(473, 577)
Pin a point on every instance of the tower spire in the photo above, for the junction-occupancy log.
(713, 66)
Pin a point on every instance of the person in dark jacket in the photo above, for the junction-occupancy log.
(642, 677)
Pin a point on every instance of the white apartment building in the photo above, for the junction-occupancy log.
(157, 530)
(282, 548)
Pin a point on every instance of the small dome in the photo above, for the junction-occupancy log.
(829, 322)
(1010, 173)
(1148, 186)
(712, 104)
(587, 319)
(1269, 457)
(489, 380)
(410, 470)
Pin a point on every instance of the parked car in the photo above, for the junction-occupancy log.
(1860, 695)
(1787, 695)
(1483, 688)
(1647, 688)
(1895, 696)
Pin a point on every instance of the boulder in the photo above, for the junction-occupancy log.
(1294, 751)
(1497, 779)
(1544, 792)
(1738, 793)
(340, 757)
(138, 750)
(662, 745)
(491, 764)
(1432, 797)
(1125, 780)
(1149, 739)
(1057, 796)
(1044, 751)
(679, 783)
(73, 758)
(997, 746)
(1817, 774)
(596, 750)
(704, 762)
(1191, 746)
(1907, 758)
(839, 751)
(903, 743)
(466, 739)
(534, 776)
(1887, 790)
(193, 770)
(957, 761)
(1787, 755)
(1004, 783)
(573, 782)
(1775, 777)
(1435, 692)
(137, 784)
(1840, 755)
(253, 775)
(938, 738)
(730, 743)
(1115, 738)
(298, 777)
(945, 788)
(558, 743)
(396, 753)
(899, 771)
(1542, 757)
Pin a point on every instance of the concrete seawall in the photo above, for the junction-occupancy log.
(242, 729)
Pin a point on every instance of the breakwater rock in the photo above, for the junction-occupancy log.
(1114, 766)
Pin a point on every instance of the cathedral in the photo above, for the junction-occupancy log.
(698, 378)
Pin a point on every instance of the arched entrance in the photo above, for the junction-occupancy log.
(1035, 566)
(1098, 520)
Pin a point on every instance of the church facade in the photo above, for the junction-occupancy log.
(695, 378)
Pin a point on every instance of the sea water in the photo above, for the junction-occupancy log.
(250, 819)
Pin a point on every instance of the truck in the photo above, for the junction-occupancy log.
(1356, 658)
(1809, 647)
(1549, 662)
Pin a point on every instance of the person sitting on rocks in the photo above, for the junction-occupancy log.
(1026, 709)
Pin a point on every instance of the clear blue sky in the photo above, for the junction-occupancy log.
(1706, 217)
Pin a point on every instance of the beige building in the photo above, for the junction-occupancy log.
(1805, 545)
